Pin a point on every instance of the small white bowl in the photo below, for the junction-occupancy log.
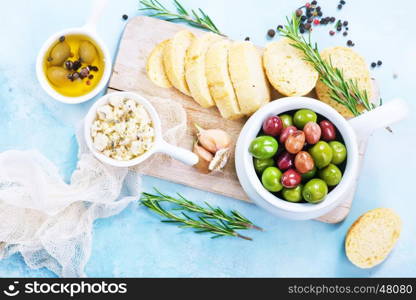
(89, 31)
(351, 131)
(159, 144)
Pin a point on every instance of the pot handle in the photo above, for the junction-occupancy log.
(97, 9)
(183, 155)
(380, 117)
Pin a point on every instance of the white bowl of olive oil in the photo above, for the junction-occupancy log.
(74, 65)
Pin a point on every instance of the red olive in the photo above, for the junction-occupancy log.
(304, 162)
(328, 130)
(273, 126)
(286, 132)
(291, 179)
(295, 142)
(312, 132)
(285, 161)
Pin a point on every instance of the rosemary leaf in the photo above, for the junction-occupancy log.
(197, 18)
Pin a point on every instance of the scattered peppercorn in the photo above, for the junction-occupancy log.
(90, 76)
(345, 23)
(373, 64)
(76, 65)
(301, 30)
(350, 43)
(339, 28)
(125, 17)
(339, 6)
(342, 2)
(332, 19)
(279, 27)
(271, 33)
(310, 20)
(319, 14)
(314, 2)
(331, 32)
(345, 33)
(307, 26)
(303, 18)
(62, 38)
(247, 38)
(379, 63)
(299, 12)
(69, 64)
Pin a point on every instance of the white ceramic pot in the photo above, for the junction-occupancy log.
(354, 132)
(89, 30)
(159, 145)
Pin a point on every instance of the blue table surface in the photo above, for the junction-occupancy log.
(135, 243)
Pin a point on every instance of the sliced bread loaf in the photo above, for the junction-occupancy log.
(174, 59)
(372, 236)
(247, 76)
(154, 66)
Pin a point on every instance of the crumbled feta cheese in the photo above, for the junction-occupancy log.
(123, 129)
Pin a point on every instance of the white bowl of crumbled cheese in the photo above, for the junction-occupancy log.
(123, 129)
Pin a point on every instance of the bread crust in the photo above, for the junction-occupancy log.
(155, 68)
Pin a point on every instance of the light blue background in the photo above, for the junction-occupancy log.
(135, 243)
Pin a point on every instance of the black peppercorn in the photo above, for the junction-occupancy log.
(331, 32)
(125, 17)
(318, 8)
(314, 2)
(279, 27)
(76, 65)
(303, 18)
(350, 43)
(342, 2)
(299, 12)
(247, 38)
(345, 23)
(310, 20)
(62, 38)
(339, 6)
(332, 19)
(75, 76)
(345, 33)
(373, 64)
(307, 26)
(379, 63)
(339, 28)
(319, 13)
(271, 33)
(91, 76)
(301, 30)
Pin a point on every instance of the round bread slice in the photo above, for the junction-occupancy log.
(195, 69)
(353, 67)
(154, 67)
(372, 236)
(286, 69)
(219, 81)
(174, 59)
(247, 75)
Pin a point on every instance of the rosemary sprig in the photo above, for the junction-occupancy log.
(210, 219)
(346, 92)
(195, 18)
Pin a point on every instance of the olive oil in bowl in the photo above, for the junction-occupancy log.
(74, 65)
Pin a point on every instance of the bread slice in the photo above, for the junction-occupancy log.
(247, 75)
(174, 59)
(286, 69)
(372, 236)
(195, 69)
(154, 66)
(219, 81)
(354, 67)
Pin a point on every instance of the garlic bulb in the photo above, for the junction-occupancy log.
(213, 139)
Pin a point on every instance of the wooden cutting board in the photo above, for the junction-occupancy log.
(129, 74)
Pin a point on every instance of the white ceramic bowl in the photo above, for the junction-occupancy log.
(352, 132)
(89, 31)
(159, 144)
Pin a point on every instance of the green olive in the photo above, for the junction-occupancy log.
(271, 179)
(261, 164)
(340, 152)
(263, 147)
(321, 153)
(331, 175)
(87, 52)
(287, 120)
(59, 53)
(58, 76)
(294, 194)
(315, 190)
(303, 116)
(309, 175)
